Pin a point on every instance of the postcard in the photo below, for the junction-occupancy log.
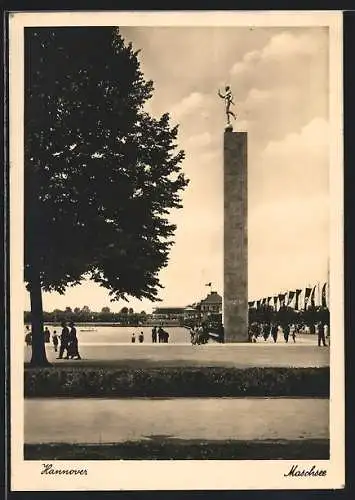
(176, 250)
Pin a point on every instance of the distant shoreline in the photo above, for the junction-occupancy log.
(104, 323)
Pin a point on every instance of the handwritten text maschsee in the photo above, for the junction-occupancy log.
(295, 471)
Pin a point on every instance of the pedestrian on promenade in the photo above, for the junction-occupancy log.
(141, 338)
(28, 336)
(154, 335)
(293, 333)
(165, 337)
(266, 331)
(221, 333)
(254, 331)
(326, 333)
(73, 342)
(321, 336)
(55, 340)
(47, 335)
(286, 330)
(274, 332)
(133, 339)
(160, 335)
(64, 341)
(199, 335)
(204, 336)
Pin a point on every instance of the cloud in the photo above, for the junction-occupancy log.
(288, 45)
(281, 46)
(188, 105)
(257, 95)
(313, 136)
(282, 85)
(288, 244)
(199, 141)
(295, 166)
(289, 211)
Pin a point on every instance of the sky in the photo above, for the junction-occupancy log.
(279, 78)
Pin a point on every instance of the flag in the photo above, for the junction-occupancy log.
(258, 304)
(250, 304)
(290, 297)
(208, 284)
(324, 295)
(268, 300)
(298, 292)
(312, 296)
(275, 301)
(307, 293)
(282, 299)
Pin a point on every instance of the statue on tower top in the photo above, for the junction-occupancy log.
(228, 101)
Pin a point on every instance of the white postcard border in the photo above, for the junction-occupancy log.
(179, 475)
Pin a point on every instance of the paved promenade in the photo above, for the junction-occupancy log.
(227, 355)
(114, 421)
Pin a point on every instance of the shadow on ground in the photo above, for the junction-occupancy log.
(157, 447)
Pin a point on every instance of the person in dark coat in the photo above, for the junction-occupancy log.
(141, 338)
(160, 334)
(255, 331)
(133, 338)
(274, 332)
(166, 337)
(286, 330)
(28, 336)
(47, 335)
(73, 347)
(321, 336)
(64, 341)
(266, 331)
(154, 335)
(221, 334)
(55, 340)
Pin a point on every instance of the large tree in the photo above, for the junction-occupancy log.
(101, 174)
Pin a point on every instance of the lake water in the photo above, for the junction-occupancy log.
(104, 335)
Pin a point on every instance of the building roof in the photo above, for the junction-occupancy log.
(212, 298)
(168, 310)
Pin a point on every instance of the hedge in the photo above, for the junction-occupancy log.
(166, 449)
(176, 382)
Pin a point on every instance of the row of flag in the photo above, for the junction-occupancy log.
(298, 299)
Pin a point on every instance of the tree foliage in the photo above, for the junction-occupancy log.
(101, 174)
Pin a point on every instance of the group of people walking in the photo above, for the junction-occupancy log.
(67, 342)
(158, 335)
(199, 335)
(267, 330)
(140, 338)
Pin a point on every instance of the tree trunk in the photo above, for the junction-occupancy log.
(39, 357)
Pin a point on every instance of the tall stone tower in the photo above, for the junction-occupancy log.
(235, 236)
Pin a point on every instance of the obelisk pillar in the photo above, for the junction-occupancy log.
(235, 237)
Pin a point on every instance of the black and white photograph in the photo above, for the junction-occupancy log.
(176, 250)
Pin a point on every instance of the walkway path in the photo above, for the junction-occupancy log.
(108, 421)
(227, 355)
